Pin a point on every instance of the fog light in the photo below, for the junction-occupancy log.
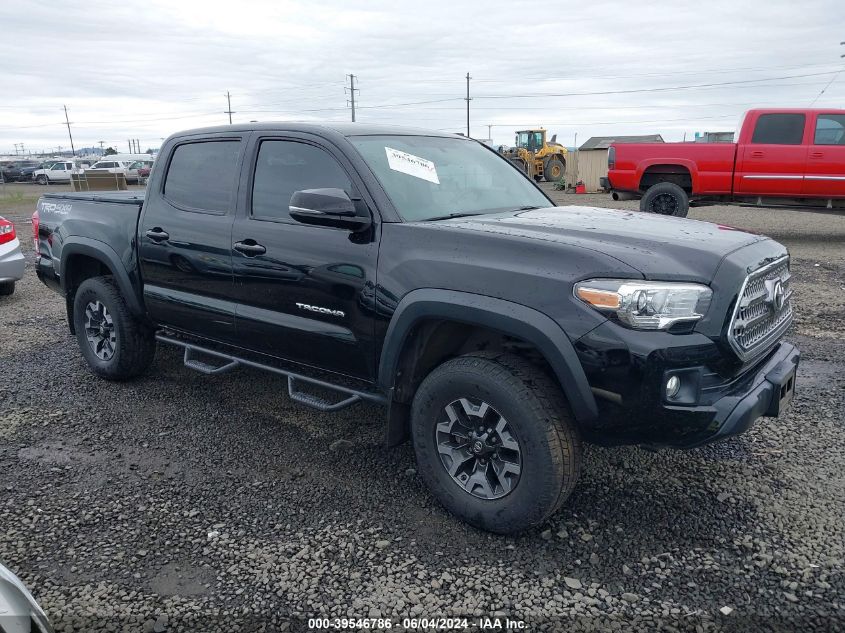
(673, 386)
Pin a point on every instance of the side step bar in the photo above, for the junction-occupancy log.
(191, 360)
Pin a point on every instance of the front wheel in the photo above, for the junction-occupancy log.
(113, 342)
(7, 288)
(553, 170)
(665, 198)
(41, 179)
(495, 441)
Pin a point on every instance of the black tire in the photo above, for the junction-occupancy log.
(7, 288)
(665, 198)
(42, 179)
(133, 346)
(539, 419)
(554, 170)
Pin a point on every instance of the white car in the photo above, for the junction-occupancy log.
(11, 258)
(57, 172)
(112, 167)
(19, 612)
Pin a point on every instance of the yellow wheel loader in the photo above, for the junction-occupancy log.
(539, 159)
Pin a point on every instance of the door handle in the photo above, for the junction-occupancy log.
(250, 248)
(816, 155)
(756, 154)
(157, 234)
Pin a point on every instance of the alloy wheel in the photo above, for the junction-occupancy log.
(664, 204)
(478, 448)
(100, 330)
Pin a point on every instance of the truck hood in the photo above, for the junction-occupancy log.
(660, 247)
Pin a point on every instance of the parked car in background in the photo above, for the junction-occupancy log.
(12, 171)
(781, 156)
(11, 257)
(133, 171)
(111, 167)
(144, 173)
(59, 171)
(19, 612)
(27, 172)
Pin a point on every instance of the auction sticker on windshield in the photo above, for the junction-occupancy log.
(411, 165)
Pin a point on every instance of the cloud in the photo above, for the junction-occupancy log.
(145, 71)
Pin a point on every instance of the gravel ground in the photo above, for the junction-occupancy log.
(183, 503)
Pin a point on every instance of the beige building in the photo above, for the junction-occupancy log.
(589, 163)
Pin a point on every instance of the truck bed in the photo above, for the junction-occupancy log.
(81, 224)
(710, 164)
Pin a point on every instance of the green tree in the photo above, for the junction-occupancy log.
(109, 151)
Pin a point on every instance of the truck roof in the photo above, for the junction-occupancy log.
(798, 110)
(342, 129)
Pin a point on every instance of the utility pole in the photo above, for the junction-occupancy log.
(129, 143)
(468, 99)
(67, 122)
(352, 89)
(229, 111)
(489, 132)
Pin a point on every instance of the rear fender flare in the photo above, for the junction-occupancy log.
(106, 255)
(507, 317)
(689, 165)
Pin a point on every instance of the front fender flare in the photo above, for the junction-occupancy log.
(505, 316)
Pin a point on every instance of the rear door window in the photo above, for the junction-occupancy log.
(202, 176)
(830, 129)
(779, 129)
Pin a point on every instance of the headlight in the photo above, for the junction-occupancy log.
(646, 305)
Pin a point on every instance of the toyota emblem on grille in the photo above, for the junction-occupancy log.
(778, 296)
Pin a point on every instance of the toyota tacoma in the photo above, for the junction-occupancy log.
(423, 272)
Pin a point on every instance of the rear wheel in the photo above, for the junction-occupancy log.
(113, 342)
(665, 198)
(495, 441)
(7, 288)
(553, 170)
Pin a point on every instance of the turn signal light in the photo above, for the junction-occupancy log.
(599, 298)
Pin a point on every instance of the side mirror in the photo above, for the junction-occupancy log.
(327, 207)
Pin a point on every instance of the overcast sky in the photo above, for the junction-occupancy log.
(147, 69)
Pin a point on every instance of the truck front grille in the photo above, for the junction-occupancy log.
(763, 311)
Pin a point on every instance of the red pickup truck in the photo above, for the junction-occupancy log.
(781, 156)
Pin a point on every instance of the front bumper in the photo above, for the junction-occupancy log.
(767, 393)
(12, 262)
(719, 397)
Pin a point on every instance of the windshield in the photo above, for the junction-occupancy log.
(430, 177)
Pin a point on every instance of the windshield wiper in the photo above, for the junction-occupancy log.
(449, 216)
(528, 207)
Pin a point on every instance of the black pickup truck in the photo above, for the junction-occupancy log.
(423, 272)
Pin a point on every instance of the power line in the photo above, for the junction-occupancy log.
(640, 90)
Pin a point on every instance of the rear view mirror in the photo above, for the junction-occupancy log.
(327, 207)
